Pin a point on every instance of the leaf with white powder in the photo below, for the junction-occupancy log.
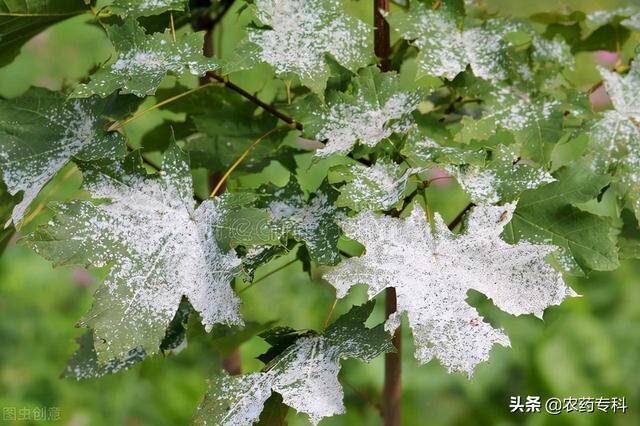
(40, 132)
(445, 49)
(305, 374)
(376, 187)
(296, 35)
(145, 7)
(432, 270)
(615, 138)
(312, 220)
(501, 179)
(143, 60)
(371, 110)
(159, 248)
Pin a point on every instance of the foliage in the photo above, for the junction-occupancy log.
(551, 181)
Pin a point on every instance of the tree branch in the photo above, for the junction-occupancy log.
(392, 392)
(251, 98)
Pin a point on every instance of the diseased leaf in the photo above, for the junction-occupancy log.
(312, 221)
(501, 179)
(145, 7)
(547, 215)
(143, 60)
(20, 20)
(305, 374)
(376, 187)
(615, 138)
(372, 110)
(40, 132)
(432, 269)
(160, 248)
(84, 363)
(294, 36)
(445, 49)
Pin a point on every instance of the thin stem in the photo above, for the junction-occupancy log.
(119, 124)
(172, 27)
(330, 313)
(49, 196)
(251, 98)
(456, 220)
(242, 157)
(267, 275)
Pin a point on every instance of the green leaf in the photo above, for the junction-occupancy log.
(143, 60)
(274, 412)
(432, 270)
(499, 179)
(294, 37)
(84, 363)
(305, 374)
(41, 131)
(372, 109)
(311, 221)
(615, 137)
(159, 246)
(445, 50)
(145, 7)
(20, 20)
(547, 214)
(376, 187)
(227, 339)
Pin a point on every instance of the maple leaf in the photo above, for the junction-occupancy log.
(501, 179)
(372, 110)
(300, 34)
(376, 187)
(142, 61)
(40, 132)
(615, 138)
(432, 269)
(445, 49)
(305, 374)
(145, 7)
(312, 220)
(159, 248)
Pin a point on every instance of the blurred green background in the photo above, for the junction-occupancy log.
(589, 346)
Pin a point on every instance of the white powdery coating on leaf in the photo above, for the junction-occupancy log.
(161, 249)
(309, 380)
(623, 91)
(303, 32)
(377, 187)
(479, 183)
(432, 272)
(302, 219)
(30, 174)
(306, 375)
(345, 124)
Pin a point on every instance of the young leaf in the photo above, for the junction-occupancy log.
(296, 36)
(41, 131)
(160, 248)
(142, 61)
(305, 374)
(311, 221)
(547, 215)
(432, 269)
(145, 7)
(376, 187)
(501, 179)
(371, 111)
